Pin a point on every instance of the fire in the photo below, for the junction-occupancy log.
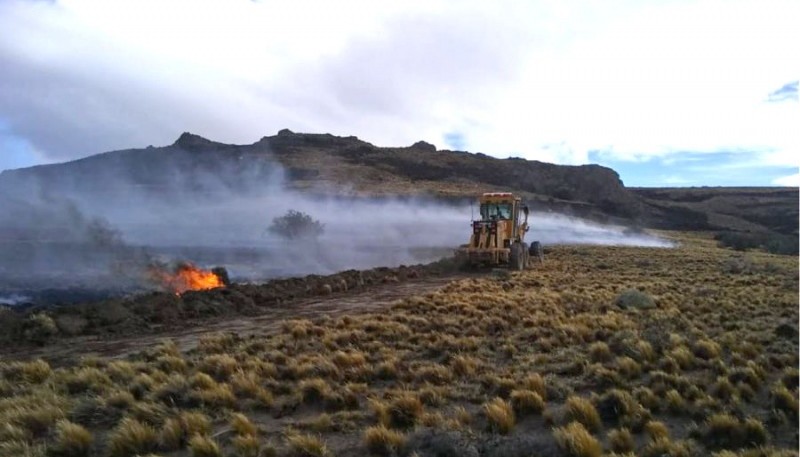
(186, 277)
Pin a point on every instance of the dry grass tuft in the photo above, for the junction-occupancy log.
(132, 437)
(314, 390)
(600, 352)
(536, 383)
(464, 365)
(380, 440)
(220, 396)
(219, 366)
(195, 423)
(620, 440)
(706, 349)
(171, 435)
(299, 445)
(665, 447)
(675, 402)
(71, 440)
(203, 446)
(784, 400)
(242, 425)
(657, 430)
(405, 410)
(246, 445)
(575, 441)
(723, 431)
(35, 372)
(526, 402)
(581, 410)
(500, 415)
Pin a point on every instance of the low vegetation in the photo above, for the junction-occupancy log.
(598, 350)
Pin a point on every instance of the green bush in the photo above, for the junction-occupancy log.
(296, 225)
(634, 298)
(772, 243)
(39, 328)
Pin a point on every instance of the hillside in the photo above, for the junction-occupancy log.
(348, 166)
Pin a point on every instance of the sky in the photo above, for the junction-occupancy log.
(668, 93)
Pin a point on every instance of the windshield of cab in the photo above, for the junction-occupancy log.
(494, 211)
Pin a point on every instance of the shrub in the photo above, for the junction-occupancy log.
(296, 225)
(500, 415)
(380, 440)
(633, 298)
(574, 440)
(39, 328)
(72, 440)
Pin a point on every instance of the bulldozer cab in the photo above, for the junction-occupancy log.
(496, 211)
(504, 206)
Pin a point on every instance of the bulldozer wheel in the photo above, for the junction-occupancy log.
(517, 257)
(537, 251)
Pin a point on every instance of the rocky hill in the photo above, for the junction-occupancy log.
(348, 166)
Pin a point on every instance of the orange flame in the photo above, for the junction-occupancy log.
(186, 277)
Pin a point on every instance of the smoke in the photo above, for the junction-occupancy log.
(553, 229)
(96, 224)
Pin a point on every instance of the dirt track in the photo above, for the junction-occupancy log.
(69, 350)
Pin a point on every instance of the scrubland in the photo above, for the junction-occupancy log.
(597, 351)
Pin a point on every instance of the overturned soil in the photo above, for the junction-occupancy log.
(117, 327)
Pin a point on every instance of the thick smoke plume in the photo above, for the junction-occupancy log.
(60, 232)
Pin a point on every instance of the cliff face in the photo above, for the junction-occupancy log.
(329, 164)
(421, 169)
(347, 166)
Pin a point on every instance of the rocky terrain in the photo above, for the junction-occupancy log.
(347, 166)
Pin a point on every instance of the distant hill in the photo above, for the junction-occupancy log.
(348, 166)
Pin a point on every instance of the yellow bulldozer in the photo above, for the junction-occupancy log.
(498, 237)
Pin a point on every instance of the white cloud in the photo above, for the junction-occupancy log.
(791, 180)
(542, 80)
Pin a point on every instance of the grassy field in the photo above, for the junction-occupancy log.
(600, 350)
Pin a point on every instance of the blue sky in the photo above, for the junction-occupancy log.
(667, 92)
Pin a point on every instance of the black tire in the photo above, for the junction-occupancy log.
(536, 251)
(516, 259)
